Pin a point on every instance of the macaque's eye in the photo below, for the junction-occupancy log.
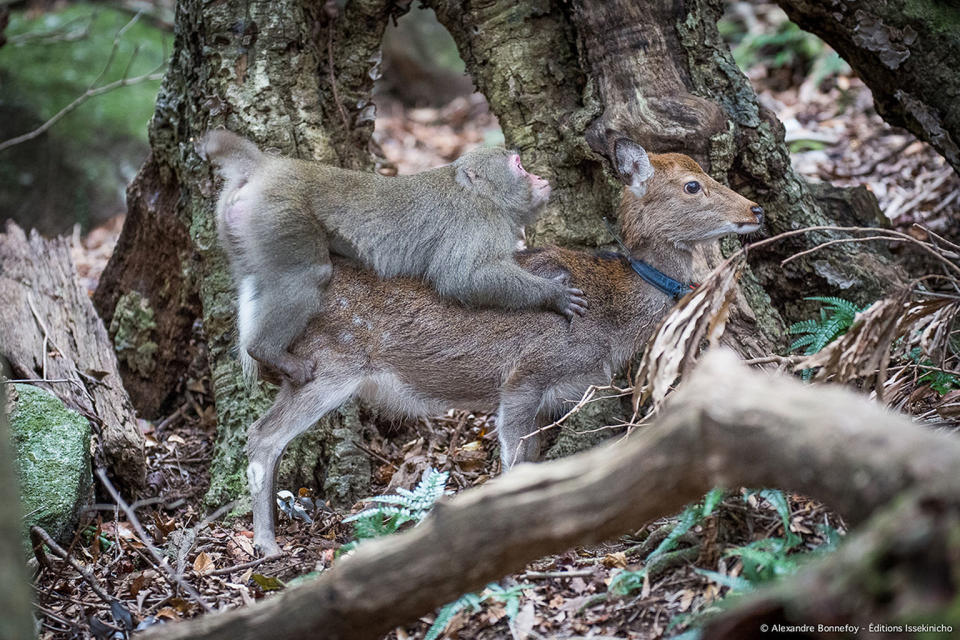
(515, 159)
(692, 187)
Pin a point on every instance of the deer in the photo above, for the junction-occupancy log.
(398, 345)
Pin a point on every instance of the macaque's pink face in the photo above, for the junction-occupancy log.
(539, 187)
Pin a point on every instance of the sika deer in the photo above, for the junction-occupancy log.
(397, 344)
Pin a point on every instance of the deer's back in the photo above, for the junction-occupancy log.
(400, 332)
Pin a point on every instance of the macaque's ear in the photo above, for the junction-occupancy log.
(466, 176)
(633, 165)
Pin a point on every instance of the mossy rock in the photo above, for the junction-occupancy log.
(52, 445)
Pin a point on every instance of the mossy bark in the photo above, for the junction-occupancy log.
(905, 51)
(16, 621)
(565, 79)
(293, 76)
(52, 445)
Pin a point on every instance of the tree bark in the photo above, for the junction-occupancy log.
(727, 426)
(902, 50)
(16, 621)
(566, 79)
(50, 331)
(294, 76)
(560, 77)
(659, 73)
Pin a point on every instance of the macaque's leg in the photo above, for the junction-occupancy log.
(516, 418)
(507, 285)
(284, 305)
(295, 410)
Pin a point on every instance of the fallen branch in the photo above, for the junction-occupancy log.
(39, 538)
(726, 426)
(175, 581)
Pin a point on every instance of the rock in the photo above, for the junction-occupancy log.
(52, 448)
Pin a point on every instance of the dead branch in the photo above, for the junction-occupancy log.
(173, 579)
(932, 249)
(727, 426)
(93, 90)
(39, 538)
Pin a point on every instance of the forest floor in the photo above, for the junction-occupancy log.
(836, 137)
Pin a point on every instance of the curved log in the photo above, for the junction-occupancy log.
(726, 426)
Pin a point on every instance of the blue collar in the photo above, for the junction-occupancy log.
(673, 288)
(661, 281)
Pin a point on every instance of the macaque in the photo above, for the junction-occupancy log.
(455, 227)
(399, 346)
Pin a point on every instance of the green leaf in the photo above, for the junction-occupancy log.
(626, 581)
(391, 512)
(267, 583)
(688, 519)
(712, 499)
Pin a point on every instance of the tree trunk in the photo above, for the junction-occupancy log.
(294, 76)
(903, 50)
(16, 621)
(727, 426)
(560, 77)
(50, 331)
(566, 80)
(660, 74)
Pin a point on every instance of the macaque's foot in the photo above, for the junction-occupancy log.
(571, 303)
(297, 370)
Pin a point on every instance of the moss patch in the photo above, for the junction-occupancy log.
(131, 330)
(52, 445)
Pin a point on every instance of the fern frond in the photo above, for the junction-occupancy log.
(390, 512)
(837, 304)
(804, 326)
(835, 317)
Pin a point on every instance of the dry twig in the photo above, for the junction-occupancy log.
(161, 562)
(93, 90)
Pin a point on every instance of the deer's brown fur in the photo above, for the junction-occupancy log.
(397, 344)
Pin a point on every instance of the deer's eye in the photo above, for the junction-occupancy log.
(692, 187)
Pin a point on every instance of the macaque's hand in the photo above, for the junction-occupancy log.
(570, 301)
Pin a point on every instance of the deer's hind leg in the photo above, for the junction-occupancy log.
(517, 421)
(295, 410)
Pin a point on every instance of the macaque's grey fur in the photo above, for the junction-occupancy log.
(455, 227)
(399, 346)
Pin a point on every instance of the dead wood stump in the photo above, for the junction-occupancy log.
(49, 331)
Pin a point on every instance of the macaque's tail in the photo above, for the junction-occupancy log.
(236, 156)
(246, 317)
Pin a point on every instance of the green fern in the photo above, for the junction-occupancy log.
(836, 316)
(626, 581)
(509, 597)
(446, 613)
(393, 511)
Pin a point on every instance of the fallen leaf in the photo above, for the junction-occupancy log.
(203, 563)
(141, 581)
(615, 560)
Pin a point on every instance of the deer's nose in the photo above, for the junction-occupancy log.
(757, 210)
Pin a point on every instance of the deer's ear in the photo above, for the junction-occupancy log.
(633, 165)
